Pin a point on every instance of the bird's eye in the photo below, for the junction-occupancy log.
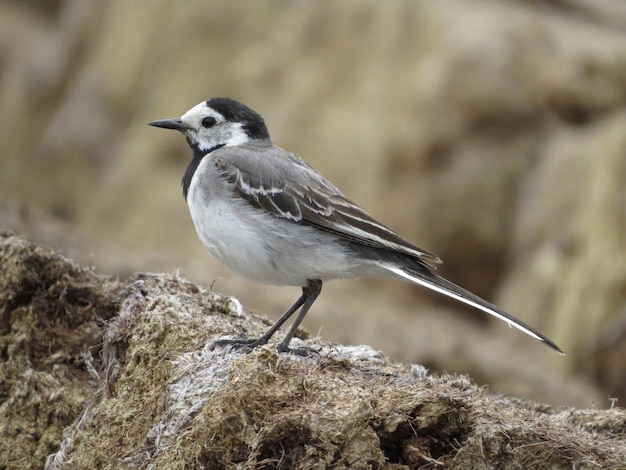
(208, 122)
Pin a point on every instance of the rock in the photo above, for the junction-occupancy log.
(52, 313)
(108, 375)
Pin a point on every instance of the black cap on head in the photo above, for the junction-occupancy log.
(235, 111)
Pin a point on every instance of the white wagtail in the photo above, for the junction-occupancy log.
(272, 218)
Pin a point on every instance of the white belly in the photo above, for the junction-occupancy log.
(263, 248)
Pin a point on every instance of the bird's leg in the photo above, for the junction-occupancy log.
(309, 294)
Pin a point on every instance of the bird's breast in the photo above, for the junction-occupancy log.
(260, 246)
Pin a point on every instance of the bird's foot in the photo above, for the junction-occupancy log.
(245, 344)
(302, 351)
(249, 344)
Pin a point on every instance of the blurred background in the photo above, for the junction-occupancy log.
(492, 133)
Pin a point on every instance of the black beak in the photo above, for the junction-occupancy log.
(175, 123)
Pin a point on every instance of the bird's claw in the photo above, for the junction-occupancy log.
(245, 344)
(249, 344)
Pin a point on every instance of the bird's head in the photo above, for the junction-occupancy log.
(216, 123)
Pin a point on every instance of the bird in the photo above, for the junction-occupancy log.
(272, 218)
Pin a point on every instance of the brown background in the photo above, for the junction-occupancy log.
(492, 133)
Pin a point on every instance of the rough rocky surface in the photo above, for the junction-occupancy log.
(490, 132)
(100, 374)
(52, 316)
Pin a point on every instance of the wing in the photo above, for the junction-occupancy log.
(282, 184)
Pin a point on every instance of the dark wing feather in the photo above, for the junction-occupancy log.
(298, 193)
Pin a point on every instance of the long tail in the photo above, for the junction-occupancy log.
(445, 287)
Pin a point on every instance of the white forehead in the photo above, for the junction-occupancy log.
(199, 112)
(213, 136)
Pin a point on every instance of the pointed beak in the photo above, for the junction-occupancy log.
(175, 123)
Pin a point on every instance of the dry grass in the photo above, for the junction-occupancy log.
(151, 394)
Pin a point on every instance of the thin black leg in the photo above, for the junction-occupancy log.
(313, 289)
(309, 294)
